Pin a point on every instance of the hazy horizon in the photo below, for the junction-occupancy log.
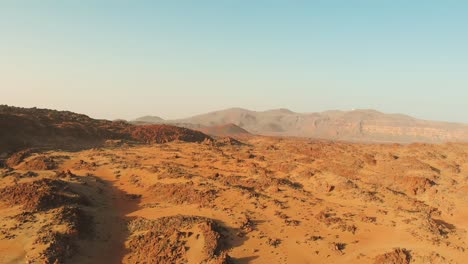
(112, 59)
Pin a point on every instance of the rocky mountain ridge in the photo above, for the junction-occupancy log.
(356, 125)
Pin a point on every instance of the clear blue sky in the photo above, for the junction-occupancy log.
(124, 59)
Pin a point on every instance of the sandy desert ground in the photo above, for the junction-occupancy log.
(256, 200)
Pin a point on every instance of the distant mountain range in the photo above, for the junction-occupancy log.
(356, 125)
(149, 119)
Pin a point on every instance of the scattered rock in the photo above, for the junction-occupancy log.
(18, 157)
(40, 195)
(397, 256)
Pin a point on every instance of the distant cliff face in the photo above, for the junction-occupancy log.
(357, 125)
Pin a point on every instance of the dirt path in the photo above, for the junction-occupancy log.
(111, 230)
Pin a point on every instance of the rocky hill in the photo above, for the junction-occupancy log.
(43, 128)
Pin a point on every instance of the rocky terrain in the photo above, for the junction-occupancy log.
(160, 194)
(356, 125)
